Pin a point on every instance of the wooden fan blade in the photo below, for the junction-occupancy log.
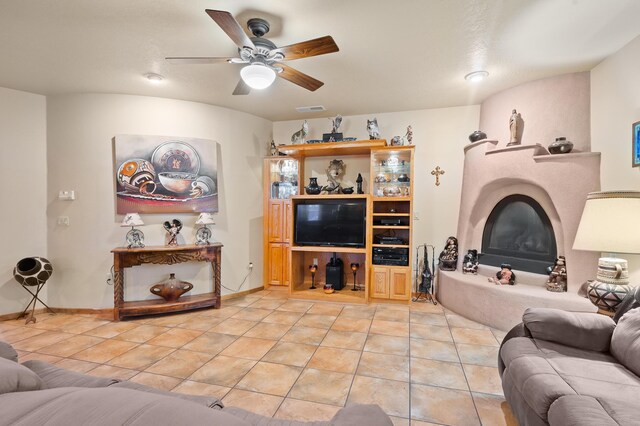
(242, 88)
(230, 26)
(197, 60)
(299, 78)
(305, 49)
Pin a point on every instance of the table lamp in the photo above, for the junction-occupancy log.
(609, 224)
(204, 233)
(135, 237)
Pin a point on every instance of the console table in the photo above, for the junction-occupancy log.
(165, 255)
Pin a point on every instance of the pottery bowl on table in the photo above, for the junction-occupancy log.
(178, 183)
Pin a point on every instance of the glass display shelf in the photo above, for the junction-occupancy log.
(283, 178)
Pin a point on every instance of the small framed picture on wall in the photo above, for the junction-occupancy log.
(635, 155)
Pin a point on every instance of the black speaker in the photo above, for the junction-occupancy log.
(335, 274)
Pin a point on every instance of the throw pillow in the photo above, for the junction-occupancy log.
(7, 352)
(17, 378)
(625, 343)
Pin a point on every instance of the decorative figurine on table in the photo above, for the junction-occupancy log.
(359, 184)
(334, 136)
(557, 281)
(173, 229)
(470, 262)
(409, 135)
(515, 128)
(504, 276)
(354, 268)
(301, 135)
(372, 128)
(204, 233)
(273, 149)
(397, 141)
(335, 172)
(449, 256)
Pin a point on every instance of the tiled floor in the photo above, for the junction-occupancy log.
(292, 359)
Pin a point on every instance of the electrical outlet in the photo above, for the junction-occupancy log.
(250, 265)
(63, 220)
(416, 215)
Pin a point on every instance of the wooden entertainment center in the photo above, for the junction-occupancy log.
(389, 210)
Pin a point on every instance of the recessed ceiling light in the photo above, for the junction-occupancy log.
(154, 78)
(476, 76)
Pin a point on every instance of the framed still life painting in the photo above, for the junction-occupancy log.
(635, 159)
(164, 174)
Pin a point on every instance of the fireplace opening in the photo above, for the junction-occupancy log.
(519, 232)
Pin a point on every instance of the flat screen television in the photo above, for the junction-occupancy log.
(334, 223)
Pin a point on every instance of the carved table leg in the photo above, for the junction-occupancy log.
(118, 292)
(216, 279)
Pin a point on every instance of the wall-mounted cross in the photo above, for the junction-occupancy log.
(437, 172)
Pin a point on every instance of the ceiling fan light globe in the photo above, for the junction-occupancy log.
(258, 76)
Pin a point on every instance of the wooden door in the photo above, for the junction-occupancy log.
(275, 221)
(380, 282)
(275, 264)
(287, 221)
(400, 283)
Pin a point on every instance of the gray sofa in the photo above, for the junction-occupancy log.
(570, 368)
(38, 393)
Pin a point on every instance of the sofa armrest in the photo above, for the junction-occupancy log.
(56, 377)
(7, 351)
(517, 331)
(581, 330)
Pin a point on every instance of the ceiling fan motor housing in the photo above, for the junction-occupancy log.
(258, 27)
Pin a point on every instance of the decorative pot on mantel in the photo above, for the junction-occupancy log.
(313, 188)
(561, 146)
(172, 289)
(476, 136)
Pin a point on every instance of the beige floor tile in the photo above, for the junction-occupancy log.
(357, 311)
(305, 335)
(268, 304)
(156, 381)
(39, 341)
(272, 379)
(252, 314)
(223, 371)
(26, 356)
(305, 411)
(499, 334)
(112, 372)
(105, 351)
(459, 321)
(190, 387)
(142, 333)
(344, 340)
(249, 347)
(334, 359)
(242, 302)
(55, 322)
(268, 331)
(426, 307)
(391, 367)
(258, 403)
(478, 355)
(440, 405)
(296, 354)
(428, 319)
(111, 329)
(19, 333)
(433, 349)
(283, 317)
(201, 323)
(171, 320)
(180, 364)
(390, 307)
(234, 327)
(473, 336)
(281, 294)
(391, 315)
(390, 395)
(175, 337)
(359, 325)
(399, 421)
(317, 321)
(76, 365)
(494, 410)
(438, 373)
(391, 345)
(483, 379)
(325, 309)
(82, 326)
(390, 328)
(295, 306)
(141, 357)
(421, 423)
(211, 343)
(431, 332)
(222, 313)
(325, 387)
(71, 345)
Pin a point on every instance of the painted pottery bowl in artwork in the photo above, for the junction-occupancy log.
(137, 175)
(176, 156)
(177, 182)
(32, 271)
(204, 185)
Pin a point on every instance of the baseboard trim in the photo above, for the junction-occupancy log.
(241, 293)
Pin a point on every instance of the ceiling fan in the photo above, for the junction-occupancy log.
(262, 57)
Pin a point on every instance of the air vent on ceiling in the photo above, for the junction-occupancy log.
(314, 108)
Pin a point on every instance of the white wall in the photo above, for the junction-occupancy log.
(439, 136)
(24, 181)
(80, 129)
(615, 105)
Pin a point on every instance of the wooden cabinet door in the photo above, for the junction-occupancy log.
(275, 264)
(287, 216)
(380, 282)
(286, 277)
(275, 221)
(400, 283)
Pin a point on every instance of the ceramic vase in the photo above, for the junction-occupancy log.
(32, 271)
(171, 289)
(313, 188)
(610, 286)
(478, 135)
(561, 146)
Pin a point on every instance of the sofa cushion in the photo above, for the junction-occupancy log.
(17, 378)
(625, 343)
(574, 410)
(56, 377)
(211, 402)
(7, 352)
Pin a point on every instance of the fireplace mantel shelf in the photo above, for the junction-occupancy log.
(572, 156)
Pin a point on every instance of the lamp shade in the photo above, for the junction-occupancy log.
(610, 223)
(205, 219)
(258, 76)
(132, 219)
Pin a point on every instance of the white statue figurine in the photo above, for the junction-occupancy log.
(301, 135)
(514, 122)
